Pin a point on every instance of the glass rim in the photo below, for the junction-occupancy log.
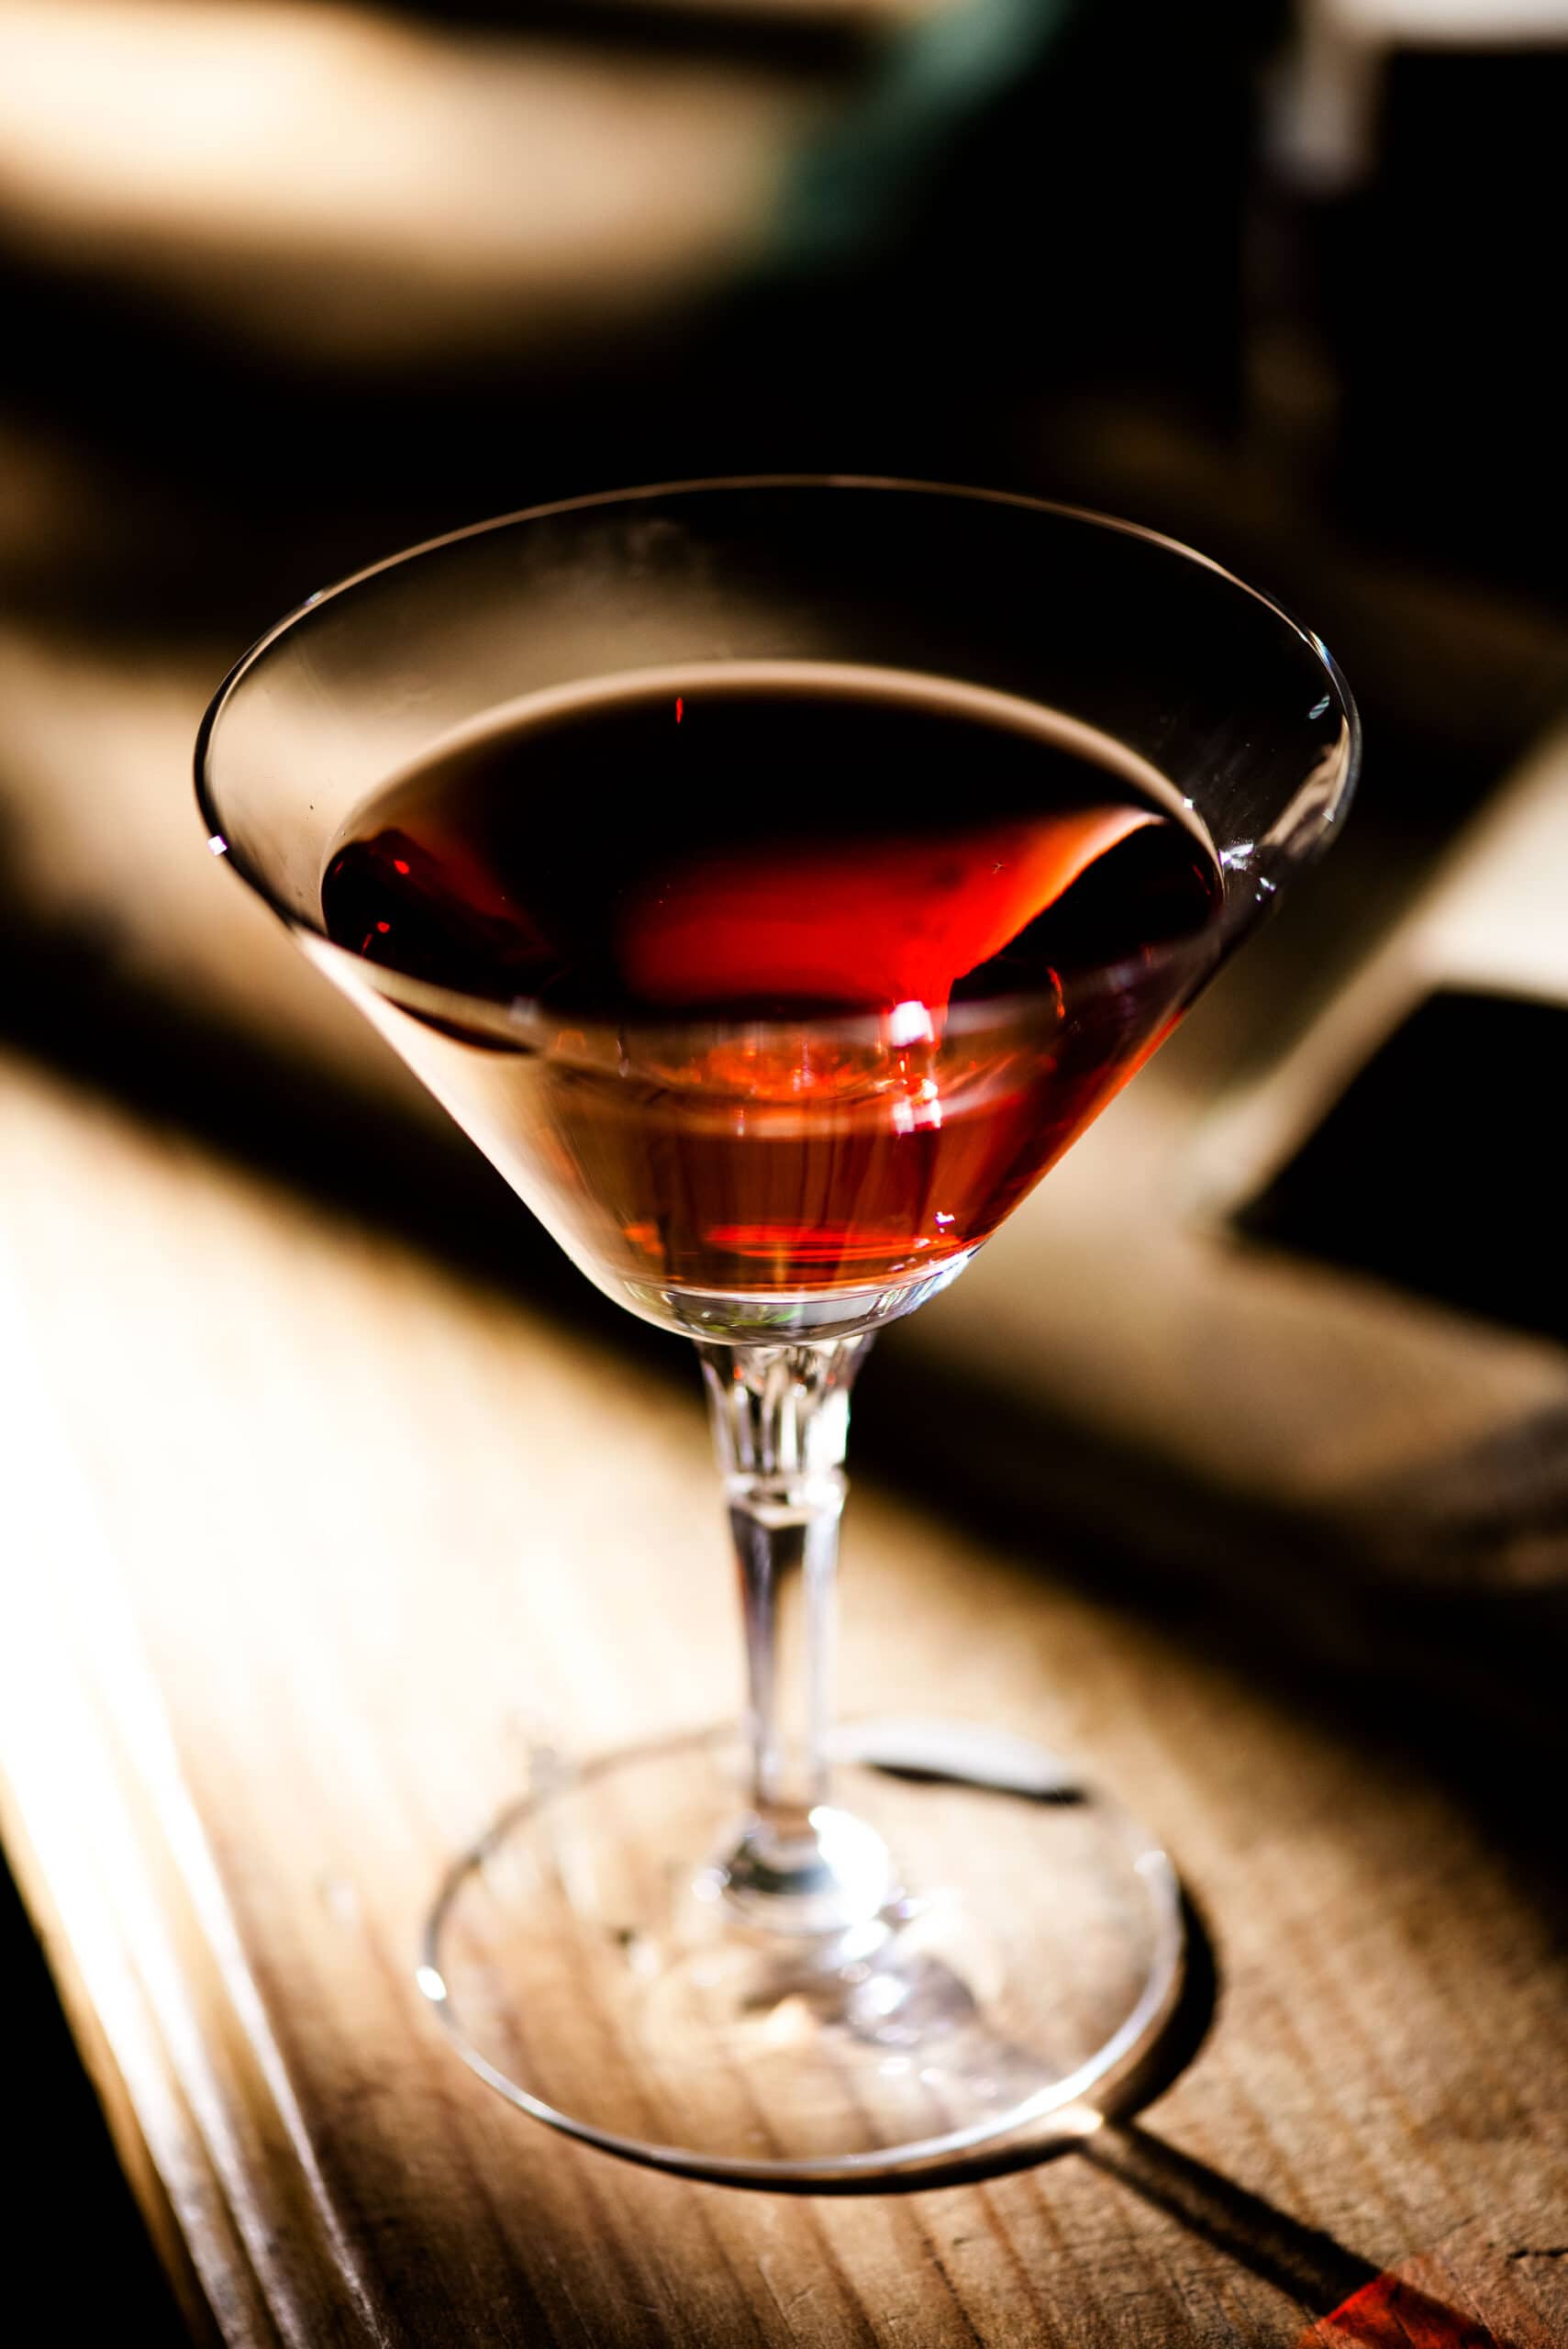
(528, 1020)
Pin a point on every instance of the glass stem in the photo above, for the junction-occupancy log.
(781, 1416)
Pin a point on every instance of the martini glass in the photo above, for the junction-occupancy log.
(797, 1953)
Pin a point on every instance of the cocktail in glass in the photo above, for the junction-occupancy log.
(774, 877)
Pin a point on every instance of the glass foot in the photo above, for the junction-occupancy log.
(591, 1963)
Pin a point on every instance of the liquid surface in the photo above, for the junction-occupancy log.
(866, 961)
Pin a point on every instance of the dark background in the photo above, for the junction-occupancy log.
(1132, 255)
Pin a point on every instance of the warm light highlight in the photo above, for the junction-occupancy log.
(339, 177)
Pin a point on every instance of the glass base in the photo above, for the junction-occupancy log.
(590, 1963)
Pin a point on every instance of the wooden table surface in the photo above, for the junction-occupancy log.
(304, 1537)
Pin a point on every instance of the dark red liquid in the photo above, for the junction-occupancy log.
(814, 980)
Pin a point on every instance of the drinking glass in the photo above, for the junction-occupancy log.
(803, 1954)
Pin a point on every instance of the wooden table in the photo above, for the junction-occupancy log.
(305, 1536)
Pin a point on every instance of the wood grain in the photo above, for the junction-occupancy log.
(304, 1541)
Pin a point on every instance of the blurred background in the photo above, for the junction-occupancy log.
(287, 286)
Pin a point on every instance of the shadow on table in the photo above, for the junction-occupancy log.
(1362, 2305)
(1347, 2302)
(1359, 2304)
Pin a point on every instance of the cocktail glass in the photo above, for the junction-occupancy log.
(805, 1953)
